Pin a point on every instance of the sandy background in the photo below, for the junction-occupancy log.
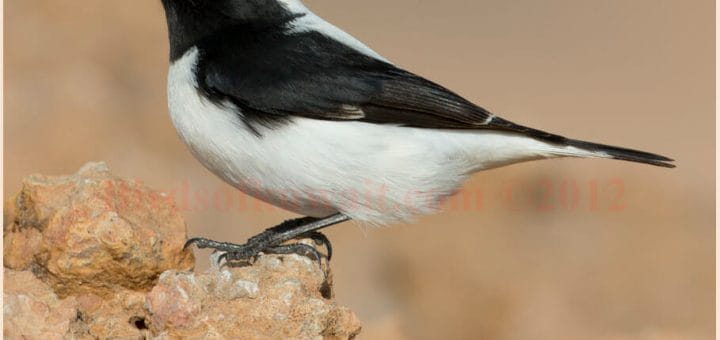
(631, 256)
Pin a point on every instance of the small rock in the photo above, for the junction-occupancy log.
(279, 296)
(93, 233)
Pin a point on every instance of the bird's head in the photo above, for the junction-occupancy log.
(191, 20)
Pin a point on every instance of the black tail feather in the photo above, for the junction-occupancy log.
(623, 153)
(613, 152)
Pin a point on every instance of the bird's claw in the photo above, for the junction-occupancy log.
(263, 243)
(321, 240)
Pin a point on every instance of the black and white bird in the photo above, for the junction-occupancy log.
(292, 110)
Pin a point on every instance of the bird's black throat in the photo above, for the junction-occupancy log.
(191, 21)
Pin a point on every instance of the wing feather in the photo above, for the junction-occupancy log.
(310, 75)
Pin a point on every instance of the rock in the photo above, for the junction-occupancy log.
(32, 310)
(93, 233)
(94, 256)
(279, 297)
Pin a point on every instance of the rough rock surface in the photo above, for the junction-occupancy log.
(92, 232)
(94, 256)
(279, 297)
(31, 308)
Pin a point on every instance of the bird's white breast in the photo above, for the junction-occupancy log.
(373, 173)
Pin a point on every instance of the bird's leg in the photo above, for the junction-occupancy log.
(272, 239)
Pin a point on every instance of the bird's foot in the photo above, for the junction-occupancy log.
(274, 240)
(270, 241)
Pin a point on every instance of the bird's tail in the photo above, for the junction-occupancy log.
(614, 152)
(577, 148)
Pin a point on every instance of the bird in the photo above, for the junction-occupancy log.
(290, 109)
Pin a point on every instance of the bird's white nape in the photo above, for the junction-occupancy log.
(294, 6)
(310, 21)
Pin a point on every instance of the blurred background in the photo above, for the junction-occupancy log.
(565, 249)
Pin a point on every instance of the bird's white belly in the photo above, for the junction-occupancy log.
(373, 173)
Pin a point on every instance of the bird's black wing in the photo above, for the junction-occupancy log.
(272, 76)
